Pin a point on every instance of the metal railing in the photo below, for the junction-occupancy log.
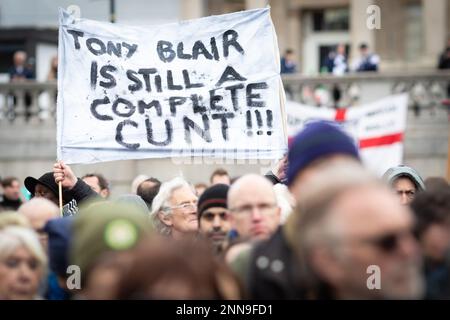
(27, 101)
(36, 101)
(426, 89)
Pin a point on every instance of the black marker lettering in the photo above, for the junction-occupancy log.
(75, 34)
(137, 83)
(224, 122)
(251, 96)
(175, 101)
(128, 106)
(142, 106)
(203, 133)
(169, 132)
(165, 52)
(101, 46)
(229, 75)
(104, 71)
(94, 106)
(119, 136)
(230, 39)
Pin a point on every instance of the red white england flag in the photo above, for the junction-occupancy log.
(378, 128)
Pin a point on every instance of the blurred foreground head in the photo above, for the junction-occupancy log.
(59, 242)
(103, 230)
(23, 263)
(436, 183)
(432, 211)
(353, 236)
(12, 218)
(38, 211)
(319, 141)
(168, 269)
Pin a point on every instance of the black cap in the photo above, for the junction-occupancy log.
(46, 180)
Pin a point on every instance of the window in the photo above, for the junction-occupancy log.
(7, 50)
(331, 19)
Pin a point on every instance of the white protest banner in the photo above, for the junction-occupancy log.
(205, 87)
(378, 128)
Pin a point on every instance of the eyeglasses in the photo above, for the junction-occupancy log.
(263, 208)
(389, 242)
(187, 206)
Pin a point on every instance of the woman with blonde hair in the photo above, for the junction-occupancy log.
(12, 218)
(23, 263)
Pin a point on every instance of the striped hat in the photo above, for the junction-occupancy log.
(214, 196)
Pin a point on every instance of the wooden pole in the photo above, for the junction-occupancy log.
(60, 198)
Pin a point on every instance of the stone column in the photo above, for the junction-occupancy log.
(435, 25)
(279, 18)
(192, 9)
(294, 36)
(358, 28)
(254, 4)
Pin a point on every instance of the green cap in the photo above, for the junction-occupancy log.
(106, 227)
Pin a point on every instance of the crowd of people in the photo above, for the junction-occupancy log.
(318, 226)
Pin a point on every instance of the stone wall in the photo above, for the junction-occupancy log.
(30, 149)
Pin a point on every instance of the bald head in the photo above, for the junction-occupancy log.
(38, 211)
(254, 210)
(247, 183)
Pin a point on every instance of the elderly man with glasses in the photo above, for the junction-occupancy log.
(174, 210)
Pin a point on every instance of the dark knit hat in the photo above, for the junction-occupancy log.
(318, 139)
(214, 196)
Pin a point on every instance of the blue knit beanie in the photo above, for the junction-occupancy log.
(318, 139)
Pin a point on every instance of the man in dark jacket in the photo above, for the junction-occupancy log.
(75, 190)
(320, 142)
(11, 194)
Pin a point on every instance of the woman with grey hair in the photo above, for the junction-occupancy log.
(23, 263)
(174, 209)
